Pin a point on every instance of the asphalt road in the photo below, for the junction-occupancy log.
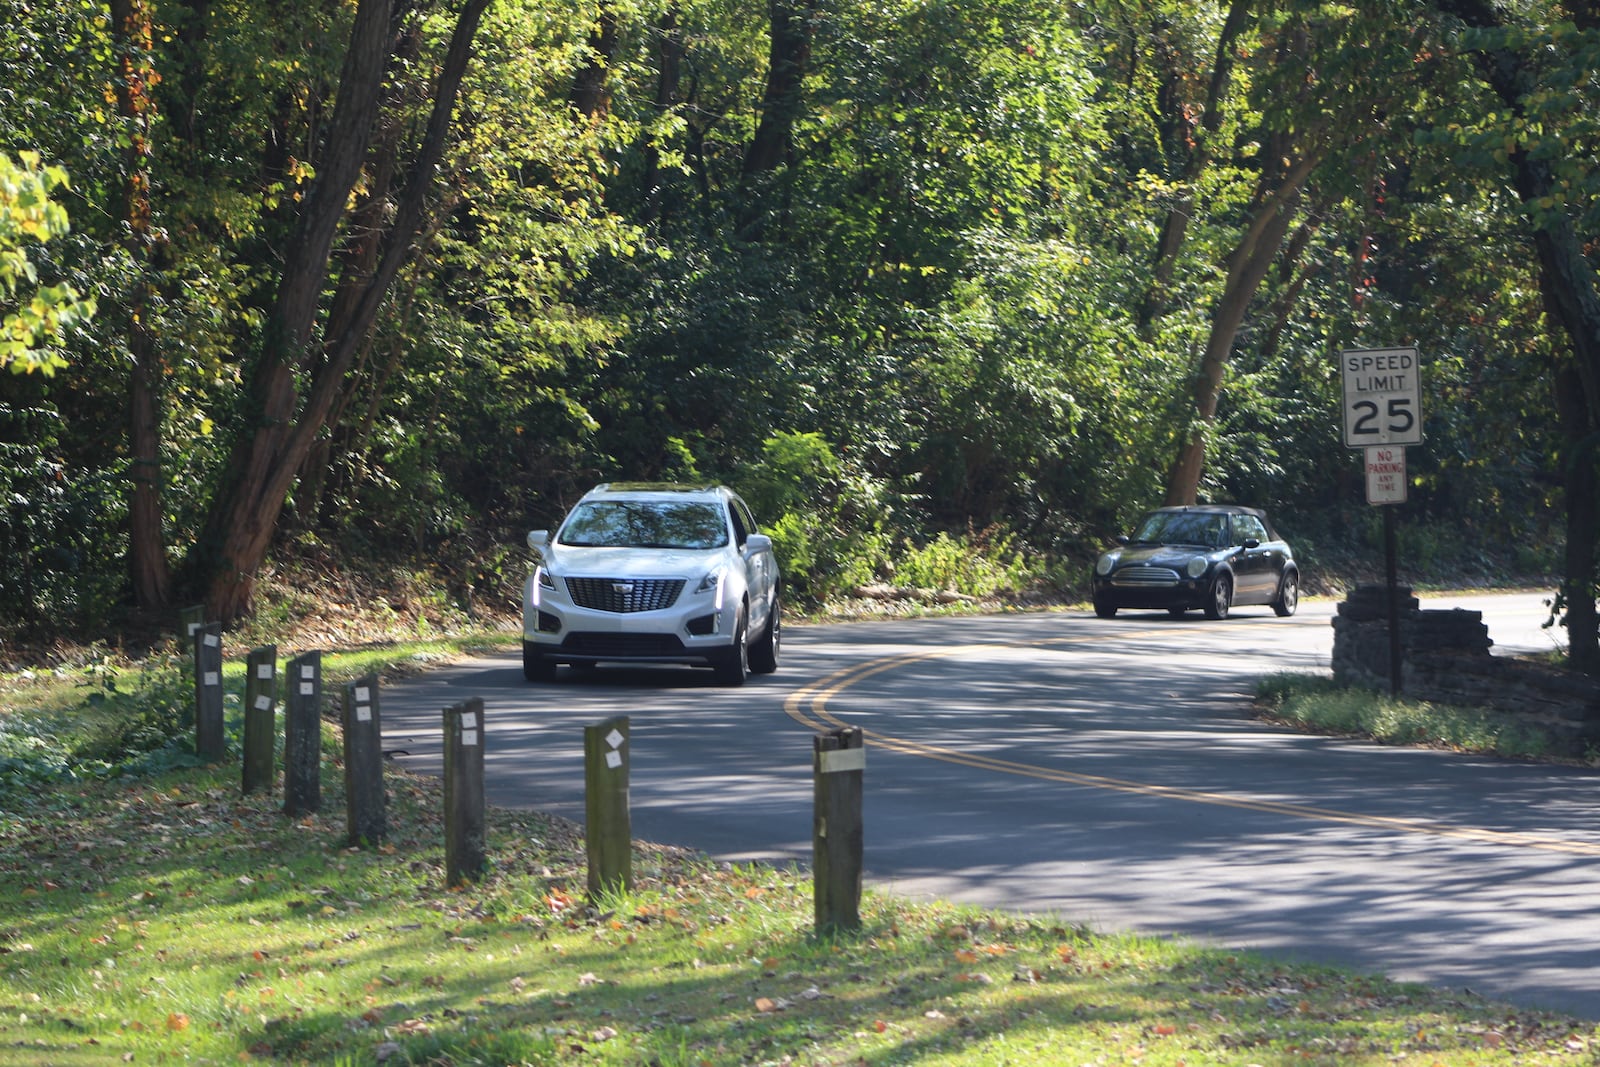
(1105, 772)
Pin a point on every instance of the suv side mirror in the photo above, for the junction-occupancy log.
(758, 543)
(538, 539)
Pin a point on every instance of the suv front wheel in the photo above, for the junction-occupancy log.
(535, 666)
(733, 665)
(764, 653)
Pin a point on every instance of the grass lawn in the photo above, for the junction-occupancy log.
(169, 919)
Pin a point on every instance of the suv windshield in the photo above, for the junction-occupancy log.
(1183, 528)
(645, 524)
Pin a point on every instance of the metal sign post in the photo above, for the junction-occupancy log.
(1382, 415)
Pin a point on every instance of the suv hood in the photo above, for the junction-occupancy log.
(632, 562)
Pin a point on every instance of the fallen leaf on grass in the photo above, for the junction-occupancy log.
(177, 1021)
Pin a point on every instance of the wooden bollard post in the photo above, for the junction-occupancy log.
(210, 739)
(363, 763)
(464, 856)
(609, 830)
(839, 761)
(191, 619)
(302, 736)
(260, 719)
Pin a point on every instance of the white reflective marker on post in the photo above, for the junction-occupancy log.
(836, 761)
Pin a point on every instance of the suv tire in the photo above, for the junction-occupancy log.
(732, 665)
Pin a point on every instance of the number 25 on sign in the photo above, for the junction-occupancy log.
(1382, 396)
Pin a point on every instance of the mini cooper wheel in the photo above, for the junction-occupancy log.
(1104, 610)
(1221, 598)
(1288, 597)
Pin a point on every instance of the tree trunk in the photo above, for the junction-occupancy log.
(147, 551)
(265, 462)
(1582, 451)
(1175, 227)
(1247, 267)
(357, 260)
(590, 94)
(668, 74)
(1571, 298)
(788, 58)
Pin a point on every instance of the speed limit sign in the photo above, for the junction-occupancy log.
(1382, 396)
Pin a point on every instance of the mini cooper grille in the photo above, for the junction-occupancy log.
(1145, 576)
(624, 595)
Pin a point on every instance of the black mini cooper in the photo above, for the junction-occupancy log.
(1212, 557)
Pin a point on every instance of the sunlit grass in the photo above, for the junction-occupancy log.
(1317, 702)
(170, 919)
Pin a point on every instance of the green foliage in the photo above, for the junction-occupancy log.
(113, 724)
(930, 320)
(982, 566)
(831, 529)
(62, 525)
(35, 318)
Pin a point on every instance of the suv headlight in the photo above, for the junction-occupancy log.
(541, 582)
(713, 583)
(1197, 566)
(1105, 563)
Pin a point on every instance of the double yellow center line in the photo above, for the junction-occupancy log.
(808, 706)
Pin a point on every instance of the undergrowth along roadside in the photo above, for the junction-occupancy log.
(1316, 702)
(109, 716)
(168, 918)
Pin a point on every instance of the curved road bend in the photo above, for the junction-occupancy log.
(1104, 771)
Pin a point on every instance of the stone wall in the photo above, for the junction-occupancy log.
(1445, 658)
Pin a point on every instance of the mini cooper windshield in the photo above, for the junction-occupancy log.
(645, 524)
(1182, 528)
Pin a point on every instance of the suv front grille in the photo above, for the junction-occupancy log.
(624, 595)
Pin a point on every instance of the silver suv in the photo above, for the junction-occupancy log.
(651, 573)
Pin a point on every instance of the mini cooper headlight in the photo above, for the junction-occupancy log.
(1105, 563)
(1197, 566)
